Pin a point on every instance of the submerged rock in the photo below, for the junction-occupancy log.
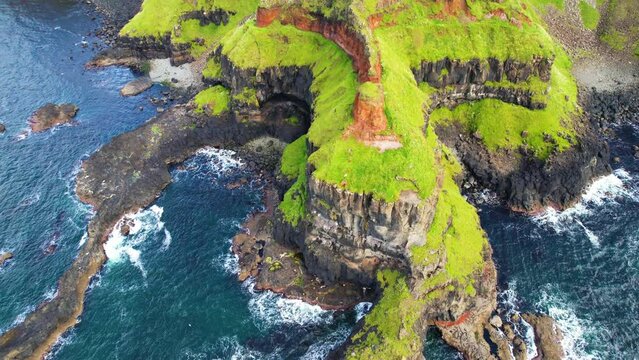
(136, 86)
(51, 115)
(547, 336)
(4, 257)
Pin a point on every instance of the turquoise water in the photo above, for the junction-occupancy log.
(168, 291)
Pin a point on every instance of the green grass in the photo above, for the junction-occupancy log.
(615, 39)
(248, 96)
(501, 125)
(159, 18)
(345, 162)
(156, 18)
(370, 92)
(589, 15)
(455, 231)
(620, 30)
(213, 101)
(388, 331)
(543, 4)
(293, 166)
(212, 70)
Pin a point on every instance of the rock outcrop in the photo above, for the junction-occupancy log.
(4, 257)
(547, 336)
(447, 72)
(136, 87)
(526, 183)
(51, 115)
(359, 43)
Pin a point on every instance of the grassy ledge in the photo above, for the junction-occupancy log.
(213, 101)
(293, 166)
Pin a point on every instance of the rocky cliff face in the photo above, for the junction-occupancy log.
(462, 81)
(350, 236)
(526, 183)
(446, 72)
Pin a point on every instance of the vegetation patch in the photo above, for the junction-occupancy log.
(388, 331)
(615, 39)
(212, 70)
(159, 18)
(589, 15)
(213, 101)
(455, 230)
(294, 158)
(506, 126)
(248, 96)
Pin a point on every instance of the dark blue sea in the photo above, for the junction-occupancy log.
(169, 290)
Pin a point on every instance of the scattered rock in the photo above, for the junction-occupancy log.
(509, 332)
(136, 86)
(515, 318)
(520, 349)
(237, 184)
(4, 257)
(51, 248)
(125, 230)
(51, 115)
(496, 321)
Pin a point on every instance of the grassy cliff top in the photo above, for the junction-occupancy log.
(404, 34)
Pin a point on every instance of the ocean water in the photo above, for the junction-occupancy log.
(168, 290)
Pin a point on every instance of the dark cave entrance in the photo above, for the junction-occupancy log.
(288, 117)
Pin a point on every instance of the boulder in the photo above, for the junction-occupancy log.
(496, 321)
(547, 336)
(2, 128)
(136, 86)
(4, 257)
(51, 115)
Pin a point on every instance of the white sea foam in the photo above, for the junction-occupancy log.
(220, 160)
(143, 225)
(269, 309)
(574, 329)
(231, 263)
(320, 349)
(509, 301)
(83, 239)
(606, 190)
(362, 309)
(231, 349)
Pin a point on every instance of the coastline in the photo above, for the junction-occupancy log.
(104, 227)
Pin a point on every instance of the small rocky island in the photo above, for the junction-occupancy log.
(51, 115)
(387, 108)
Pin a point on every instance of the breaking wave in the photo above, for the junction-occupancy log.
(607, 190)
(269, 309)
(509, 301)
(142, 225)
(575, 330)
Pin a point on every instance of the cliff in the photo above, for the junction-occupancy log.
(387, 107)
